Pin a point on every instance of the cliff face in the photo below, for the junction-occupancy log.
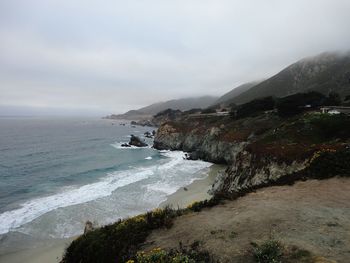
(201, 145)
(259, 151)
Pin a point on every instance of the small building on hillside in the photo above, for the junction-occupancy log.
(336, 110)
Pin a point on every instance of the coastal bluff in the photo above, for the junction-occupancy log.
(261, 150)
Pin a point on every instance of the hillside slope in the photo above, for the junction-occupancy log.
(323, 73)
(177, 104)
(319, 223)
(228, 97)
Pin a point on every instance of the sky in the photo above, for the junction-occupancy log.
(101, 57)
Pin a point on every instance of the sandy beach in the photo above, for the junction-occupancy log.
(196, 191)
(52, 251)
(48, 252)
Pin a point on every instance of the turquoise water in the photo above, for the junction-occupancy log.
(57, 173)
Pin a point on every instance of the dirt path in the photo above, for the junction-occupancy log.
(313, 215)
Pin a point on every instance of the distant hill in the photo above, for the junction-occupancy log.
(228, 97)
(178, 104)
(323, 73)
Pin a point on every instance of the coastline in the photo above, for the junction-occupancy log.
(48, 252)
(52, 251)
(196, 191)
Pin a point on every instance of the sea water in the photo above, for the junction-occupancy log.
(57, 173)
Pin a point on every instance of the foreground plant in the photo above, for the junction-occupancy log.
(270, 251)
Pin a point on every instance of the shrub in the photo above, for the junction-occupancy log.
(270, 251)
(295, 104)
(190, 254)
(331, 126)
(158, 255)
(198, 206)
(253, 107)
(329, 163)
(208, 111)
(333, 99)
(119, 241)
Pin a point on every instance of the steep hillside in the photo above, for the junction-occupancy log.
(264, 149)
(323, 73)
(178, 104)
(228, 97)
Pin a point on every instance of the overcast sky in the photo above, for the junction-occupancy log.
(111, 56)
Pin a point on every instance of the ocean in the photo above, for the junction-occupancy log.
(57, 173)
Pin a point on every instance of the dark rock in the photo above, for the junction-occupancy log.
(136, 141)
(125, 145)
(148, 134)
(89, 226)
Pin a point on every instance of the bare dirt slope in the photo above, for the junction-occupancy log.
(313, 215)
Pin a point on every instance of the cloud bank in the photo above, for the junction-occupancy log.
(111, 56)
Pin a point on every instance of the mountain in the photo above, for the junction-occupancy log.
(228, 97)
(178, 104)
(323, 73)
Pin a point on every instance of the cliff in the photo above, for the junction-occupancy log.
(260, 150)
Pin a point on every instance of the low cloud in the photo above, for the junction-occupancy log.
(112, 56)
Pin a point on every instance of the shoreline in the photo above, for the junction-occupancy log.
(52, 250)
(195, 191)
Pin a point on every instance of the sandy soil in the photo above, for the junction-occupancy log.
(313, 215)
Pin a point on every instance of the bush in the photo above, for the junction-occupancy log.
(198, 206)
(120, 241)
(333, 99)
(253, 107)
(208, 111)
(270, 251)
(295, 104)
(331, 126)
(161, 256)
(328, 163)
(191, 254)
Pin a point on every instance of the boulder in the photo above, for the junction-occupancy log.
(148, 134)
(89, 226)
(136, 141)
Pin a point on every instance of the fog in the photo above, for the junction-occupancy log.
(101, 57)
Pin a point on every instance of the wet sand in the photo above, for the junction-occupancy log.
(196, 191)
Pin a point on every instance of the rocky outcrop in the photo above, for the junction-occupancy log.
(205, 146)
(89, 226)
(136, 141)
(259, 156)
(245, 174)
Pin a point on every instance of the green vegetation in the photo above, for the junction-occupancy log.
(253, 107)
(198, 206)
(118, 242)
(330, 126)
(333, 99)
(295, 104)
(328, 163)
(208, 111)
(192, 254)
(270, 251)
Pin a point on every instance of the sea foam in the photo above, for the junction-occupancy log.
(160, 179)
(34, 208)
